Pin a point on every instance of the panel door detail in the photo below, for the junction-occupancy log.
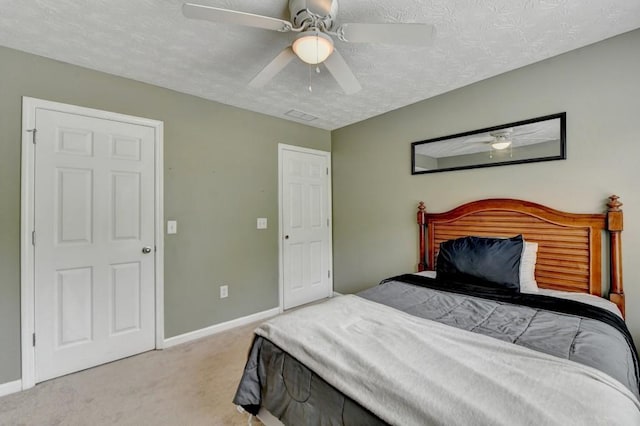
(305, 213)
(94, 212)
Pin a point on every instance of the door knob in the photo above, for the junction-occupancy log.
(146, 250)
(286, 237)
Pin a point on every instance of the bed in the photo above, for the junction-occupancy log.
(441, 348)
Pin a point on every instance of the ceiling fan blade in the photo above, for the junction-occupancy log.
(342, 73)
(518, 134)
(480, 139)
(215, 14)
(274, 67)
(412, 34)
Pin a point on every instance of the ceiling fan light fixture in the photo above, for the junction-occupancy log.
(501, 144)
(313, 47)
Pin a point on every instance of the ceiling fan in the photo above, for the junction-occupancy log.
(504, 138)
(499, 140)
(314, 23)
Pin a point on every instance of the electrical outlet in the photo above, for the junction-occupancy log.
(224, 291)
(261, 223)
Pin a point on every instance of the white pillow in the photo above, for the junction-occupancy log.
(428, 274)
(528, 283)
(590, 299)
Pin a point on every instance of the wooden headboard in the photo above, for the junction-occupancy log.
(569, 244)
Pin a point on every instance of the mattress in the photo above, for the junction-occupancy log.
(589, 299)
(296, 395)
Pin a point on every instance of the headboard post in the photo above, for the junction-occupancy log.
(614, 226)
(422, 264)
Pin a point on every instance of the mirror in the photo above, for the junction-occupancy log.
(537, 139)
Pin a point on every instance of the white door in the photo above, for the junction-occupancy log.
(306, 231)
(94, 242)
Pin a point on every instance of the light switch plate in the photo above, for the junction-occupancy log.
(262, 223)
(172, 227)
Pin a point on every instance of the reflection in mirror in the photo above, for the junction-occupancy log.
(538, 139)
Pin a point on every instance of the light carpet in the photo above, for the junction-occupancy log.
(189, 384)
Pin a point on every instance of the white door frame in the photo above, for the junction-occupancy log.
(282, 147)
(27, 218)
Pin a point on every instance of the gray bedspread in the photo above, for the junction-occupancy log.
(297, 396)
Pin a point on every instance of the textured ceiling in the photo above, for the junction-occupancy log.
(150, 41)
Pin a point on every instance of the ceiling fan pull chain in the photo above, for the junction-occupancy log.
(310, 88)
(317, 54)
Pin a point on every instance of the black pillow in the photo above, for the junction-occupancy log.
(483, 261)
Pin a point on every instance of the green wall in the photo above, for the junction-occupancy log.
(220, 175)
(375, 195)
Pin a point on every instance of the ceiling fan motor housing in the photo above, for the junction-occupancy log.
(313, 13)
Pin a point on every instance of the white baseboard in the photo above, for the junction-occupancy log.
(10, 387)
(218, 328)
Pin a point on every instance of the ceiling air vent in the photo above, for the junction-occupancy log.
(299, 115)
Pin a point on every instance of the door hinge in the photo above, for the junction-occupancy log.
(33, 135)
(33, 238)
(327, 171)
(328, 274)
(34, 339)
